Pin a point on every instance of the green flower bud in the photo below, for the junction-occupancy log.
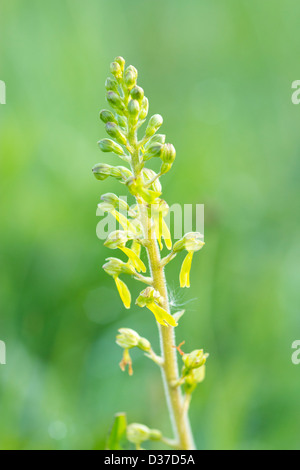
(107, 116)
(111, 84)
(191, 242)
(144, 108)
(114, 267)
(154, 150)
(121, 61)
(114, 131)
(156, 139)
(116, 70)
(137, 93)
(116, 202)
(122, 121)
(133, 70)
(133, 108)
(154, 124)
(103, 171)
(130, 80)
(111, 198)
(168, 154)
(130, 77)
(115, 101)
(127, 338)
(108, 145)
(195, 359)
(138, 433)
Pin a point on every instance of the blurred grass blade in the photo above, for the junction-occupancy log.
(117, 434)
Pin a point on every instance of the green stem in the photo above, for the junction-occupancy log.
(179, 417)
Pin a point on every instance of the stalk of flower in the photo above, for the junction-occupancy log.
(144, 227)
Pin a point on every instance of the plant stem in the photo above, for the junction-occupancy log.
(178, 413)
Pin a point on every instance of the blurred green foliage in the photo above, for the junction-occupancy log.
(220, 73)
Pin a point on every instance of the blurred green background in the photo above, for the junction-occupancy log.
(220, 73)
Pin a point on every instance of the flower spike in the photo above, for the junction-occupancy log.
(144, 226)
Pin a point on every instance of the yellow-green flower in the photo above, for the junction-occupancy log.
(114, 267)
(128, 339)
(194, 359)
(191, 242)
(118, 239)
(150, 298)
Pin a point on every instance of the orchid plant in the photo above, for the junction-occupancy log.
(143, 227)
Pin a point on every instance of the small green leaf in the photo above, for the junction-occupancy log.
(118, 432)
